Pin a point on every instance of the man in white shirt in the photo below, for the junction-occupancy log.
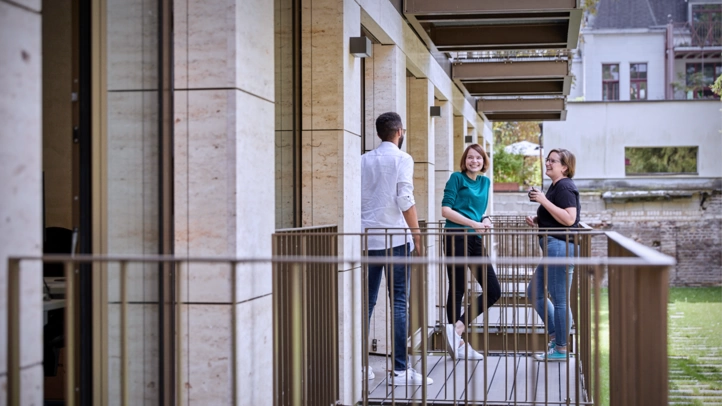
(387, 202)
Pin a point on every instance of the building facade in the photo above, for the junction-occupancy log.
(197, 129)
(646, 130)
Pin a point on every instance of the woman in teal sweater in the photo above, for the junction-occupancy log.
(466, 197)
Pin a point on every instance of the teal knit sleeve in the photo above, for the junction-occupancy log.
(450, 191)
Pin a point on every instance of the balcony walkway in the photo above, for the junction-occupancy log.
(510, 380)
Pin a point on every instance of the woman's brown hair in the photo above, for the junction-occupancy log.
(478, 148)
(566, 158)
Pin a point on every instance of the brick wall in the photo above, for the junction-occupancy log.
(687, 229)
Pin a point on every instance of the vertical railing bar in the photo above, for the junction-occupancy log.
(234, 332)
(365, 324)
(69, 332)
(179, 332)
(13, 344)
(124, 333)
(297, 341)
(597, 365)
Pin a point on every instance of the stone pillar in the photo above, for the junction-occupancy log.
(20, 186)
(443, 150)
(385, 79)
(331, 154)
(385, 88)
(460, 129)
(420, 145)
(224, 196)
(444, 165)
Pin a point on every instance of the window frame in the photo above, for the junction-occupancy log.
(636, 83)
(699, 67)
(610, 84)
(627, 163)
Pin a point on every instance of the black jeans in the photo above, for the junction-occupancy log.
(460, 245)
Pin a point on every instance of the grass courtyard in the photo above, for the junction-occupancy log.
(694, 346)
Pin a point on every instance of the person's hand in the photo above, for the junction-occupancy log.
(486, 224)
(531, 221)
(536, 195)
(419, 249)
(480, 227)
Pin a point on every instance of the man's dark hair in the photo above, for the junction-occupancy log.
(387, 125)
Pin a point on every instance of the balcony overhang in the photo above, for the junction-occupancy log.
(514, 77)
(541, 109)
(473, 25)
(710, 52)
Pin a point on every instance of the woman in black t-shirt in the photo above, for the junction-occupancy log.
(559, 208)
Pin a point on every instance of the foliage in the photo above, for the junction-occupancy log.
(695, 83)
(717, 87)
(511, 167)
(590, 6)
(507, 167)
(515, 168)
(660, 160)
(507, 133)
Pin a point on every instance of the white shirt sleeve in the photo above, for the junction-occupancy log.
(405, 185)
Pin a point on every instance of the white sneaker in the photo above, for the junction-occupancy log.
(467, 352)
(409, 378)
(370, 375)
(453, 340)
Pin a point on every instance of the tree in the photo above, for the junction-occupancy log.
(511, 167)
(507, 133)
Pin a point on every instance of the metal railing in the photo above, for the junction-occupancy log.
(305, 298)
(698, 34)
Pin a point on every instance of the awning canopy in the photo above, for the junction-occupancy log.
(542, 109)
(514, 77)
(468, 25)
(523, 73)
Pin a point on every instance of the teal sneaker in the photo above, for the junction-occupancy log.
(552, 355)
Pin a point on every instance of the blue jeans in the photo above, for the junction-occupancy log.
(558, 316)
(400, 285)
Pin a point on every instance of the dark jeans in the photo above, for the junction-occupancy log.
(460, 245)
(399, 280)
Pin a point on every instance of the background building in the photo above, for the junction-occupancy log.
(646, 130)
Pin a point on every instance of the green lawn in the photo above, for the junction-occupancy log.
(695, 345)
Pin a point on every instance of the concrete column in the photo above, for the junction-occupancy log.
(386, 83)
(20, 186)
(224, 196)
(460, 129)
(443, 150)
(420, 145)
(331, 142)
(385, 88)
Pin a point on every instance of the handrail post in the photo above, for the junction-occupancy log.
(637, 332)
(13, 348)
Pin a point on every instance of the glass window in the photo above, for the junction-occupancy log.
(660, 160)
(610, 81)
(699, 77)
(638, 81)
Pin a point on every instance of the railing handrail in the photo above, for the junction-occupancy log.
(660, 260)
(309, 228)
